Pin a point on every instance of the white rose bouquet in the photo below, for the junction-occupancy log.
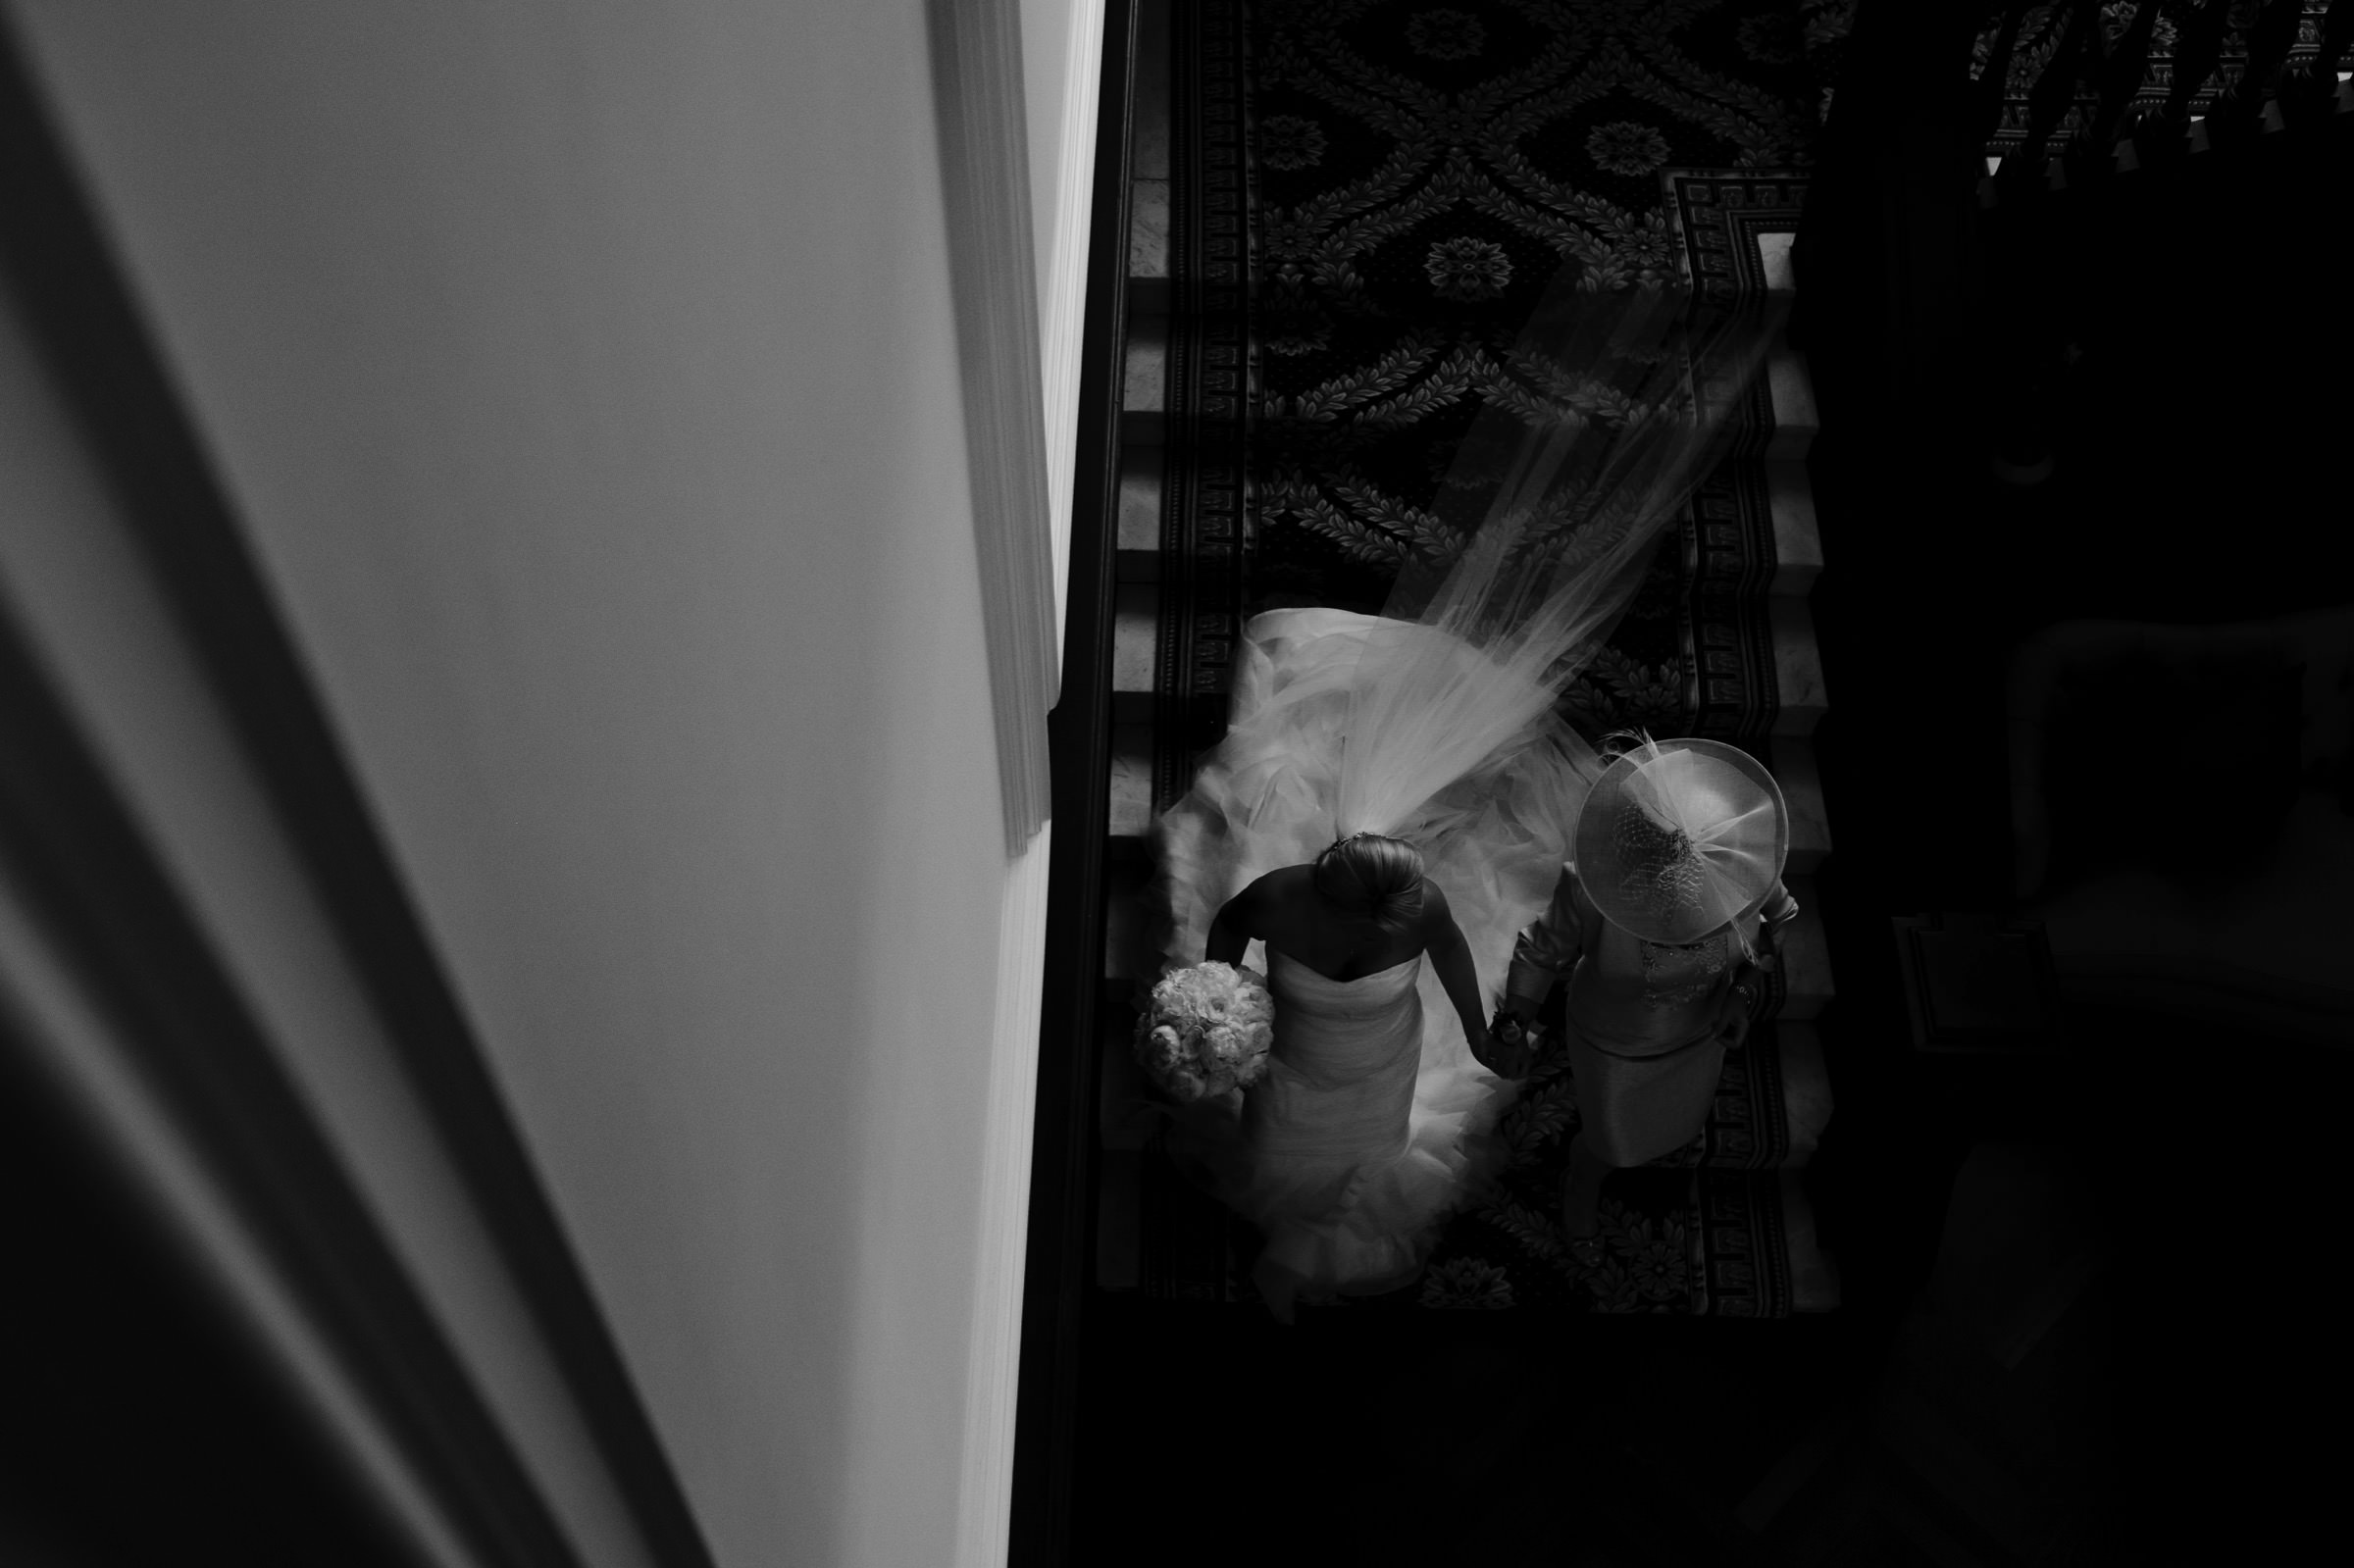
(1207, 1031)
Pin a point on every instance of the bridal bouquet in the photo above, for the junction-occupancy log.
(1206, 1031)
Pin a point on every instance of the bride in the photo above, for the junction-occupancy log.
(1392, 801)
(1338, 1162)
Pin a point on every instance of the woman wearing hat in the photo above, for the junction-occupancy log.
(1665, 922)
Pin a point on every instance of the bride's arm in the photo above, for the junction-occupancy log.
(1450, 958)
(1237, 922)
(1545, 950)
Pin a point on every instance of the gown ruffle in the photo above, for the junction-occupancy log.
(1375, 1122)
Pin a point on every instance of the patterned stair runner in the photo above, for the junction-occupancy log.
(1238, 108)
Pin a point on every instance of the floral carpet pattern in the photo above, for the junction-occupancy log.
(1422, 175)
(1683, 1234)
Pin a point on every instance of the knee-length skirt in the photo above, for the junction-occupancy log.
(1635, 1108)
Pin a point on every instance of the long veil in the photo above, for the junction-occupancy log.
(1436, 722)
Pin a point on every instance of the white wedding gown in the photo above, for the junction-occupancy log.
(1374, 1123)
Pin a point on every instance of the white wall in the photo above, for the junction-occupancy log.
(1063, 64)
(584, 376)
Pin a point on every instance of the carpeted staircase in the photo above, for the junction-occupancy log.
(1325, 197)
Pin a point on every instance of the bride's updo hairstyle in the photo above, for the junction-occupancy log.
(1368, 875)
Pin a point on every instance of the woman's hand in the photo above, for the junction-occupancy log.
(1740, 1004)
(1505, 1058)
(1508, 1046)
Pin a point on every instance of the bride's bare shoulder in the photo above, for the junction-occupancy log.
(1279, 888)
(1276, 893)
(1436, 925)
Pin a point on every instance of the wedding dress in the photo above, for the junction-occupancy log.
(1436, 724)
(1375, 1121)
(1355, 1150)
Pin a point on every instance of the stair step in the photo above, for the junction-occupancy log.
(1792, 758)
(1148, 166)
(1131, 781)
(1148, 248)
(1815, 1273)
(1797, 543)
(1143, 386)
(1805, 956)
(1143, 474)
(1135, 651)
(1155, 87)
(1807, 1095)
(1796, 422)
(1129, 842)
(1796, 668)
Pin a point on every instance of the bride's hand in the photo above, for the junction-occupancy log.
(1507, 1061)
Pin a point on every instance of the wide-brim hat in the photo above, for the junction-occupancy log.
(1679, 837)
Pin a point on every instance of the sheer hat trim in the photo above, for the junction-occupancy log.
(1680, 837)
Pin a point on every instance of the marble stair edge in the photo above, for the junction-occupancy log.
(1792, 761)
(1144, 384)
(1805, 956)
(1137, 546)
(1148, 164)
(1148, 249)
(1796, 539)
(1808, 1103)
(1790, 388)
(1802, 696)
(1135, 646)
